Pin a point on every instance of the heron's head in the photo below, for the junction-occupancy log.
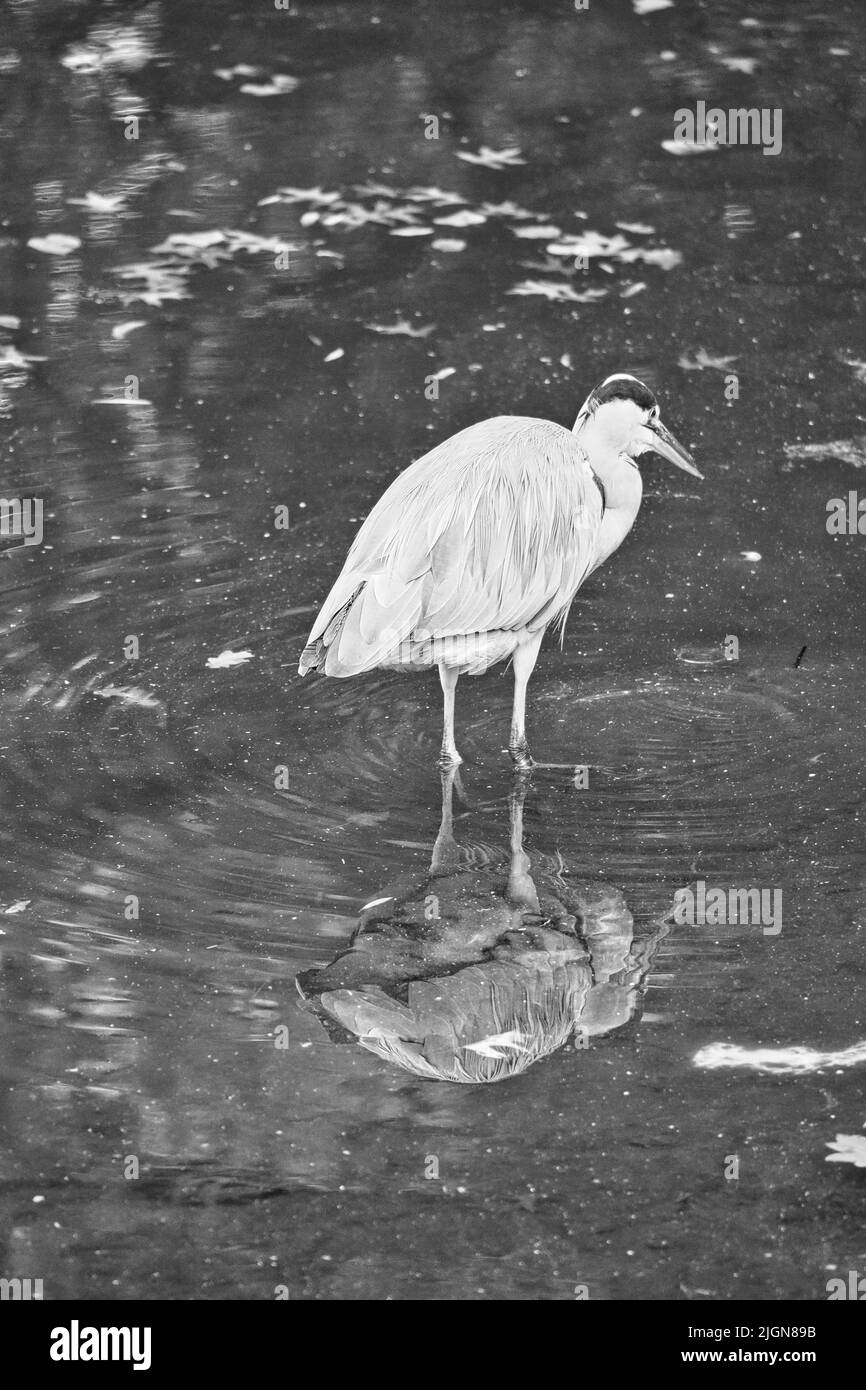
(621, 416)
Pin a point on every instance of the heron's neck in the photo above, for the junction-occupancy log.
(623, 489)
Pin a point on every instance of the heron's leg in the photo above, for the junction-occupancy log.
(449, 676)
(524, 659)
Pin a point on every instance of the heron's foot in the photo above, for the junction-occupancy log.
(521, 757)
(449, 772)
(449, 758)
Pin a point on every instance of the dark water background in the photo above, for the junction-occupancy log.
(154, 1038)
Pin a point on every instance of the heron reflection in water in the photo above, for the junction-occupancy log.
(472, 975)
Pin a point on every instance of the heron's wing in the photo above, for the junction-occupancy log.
(493, 529)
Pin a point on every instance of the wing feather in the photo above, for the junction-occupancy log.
(494, 529)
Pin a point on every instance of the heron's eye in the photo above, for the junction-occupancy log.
(654, 414)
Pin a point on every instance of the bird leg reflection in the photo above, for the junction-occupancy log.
(521, 888)
(446, 851)
(447, 855)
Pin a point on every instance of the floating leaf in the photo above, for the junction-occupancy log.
(81, 59)
(463, 218)
(851, 451)
(228, 658)
(306, 195)
(702, 656)
(121, 330)
(55, 244)
(112, 46)
(334, 356)
(351, 215)
(662, 256)
(278, 86)
(638, 228)
(650, 6)
(402, 326)
(588, 244)
(128, 402)
(412, 231)
(537, 233)
(239, 70)
(850, 1148)
(493, 159)
(377, 190)
(446, 243)
(99, 202)
(746, 65)
(184, 242)
(557, 292)
(131, 695)
(507, 209)
(12, 359)
(683, 146)
(418, 194)
(162, 282)
(703, 359)
(549, 266)
(781, 1060)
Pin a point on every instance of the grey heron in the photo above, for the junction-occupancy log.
(480, 545)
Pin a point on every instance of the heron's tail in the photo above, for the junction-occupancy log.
(312, 657)
(315, 653)
(364, 620)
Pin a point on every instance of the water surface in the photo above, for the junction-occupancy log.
(180, 840)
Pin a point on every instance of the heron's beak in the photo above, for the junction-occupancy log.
(658, 438)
